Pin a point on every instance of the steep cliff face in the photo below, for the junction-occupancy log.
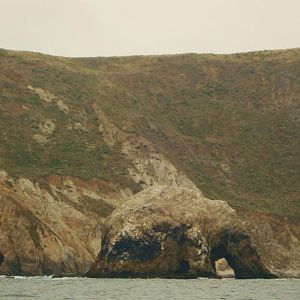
(51, 226)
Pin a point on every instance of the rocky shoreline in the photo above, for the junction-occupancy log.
(165, 230)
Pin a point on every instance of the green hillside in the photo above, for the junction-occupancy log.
(230, 122)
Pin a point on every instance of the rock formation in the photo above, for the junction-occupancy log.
(170, 231)
(223, 270)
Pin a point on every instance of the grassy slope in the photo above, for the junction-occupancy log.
(231, 122)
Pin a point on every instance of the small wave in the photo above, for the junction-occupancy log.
(26, 277)
(68, 278)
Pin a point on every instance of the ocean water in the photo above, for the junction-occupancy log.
(84, 288)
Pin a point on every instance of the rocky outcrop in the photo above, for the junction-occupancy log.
(50, 226)
(171, 231)
(147, 166)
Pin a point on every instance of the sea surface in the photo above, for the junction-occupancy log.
(84, 288)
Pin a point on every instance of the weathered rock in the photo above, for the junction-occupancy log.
(223, 269)
(171, 231)
(49, 227)
(277, 242)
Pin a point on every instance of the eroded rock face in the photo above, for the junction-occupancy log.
(50, 226)
(277, 242)
(171, 231)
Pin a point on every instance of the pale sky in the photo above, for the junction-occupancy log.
(129, 27)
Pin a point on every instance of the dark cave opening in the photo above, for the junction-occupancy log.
(183, 267)
(1, 259)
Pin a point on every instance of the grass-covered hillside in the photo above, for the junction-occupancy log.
(230, 122)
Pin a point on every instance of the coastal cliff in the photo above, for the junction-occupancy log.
(154, 166)
(44, 227)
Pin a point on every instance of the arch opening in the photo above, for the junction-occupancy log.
(222, 263)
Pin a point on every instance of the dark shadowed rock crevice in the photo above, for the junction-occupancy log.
(1, 258)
